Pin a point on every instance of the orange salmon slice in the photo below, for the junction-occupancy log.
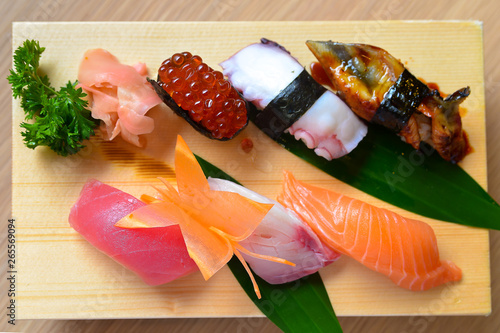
(403, 249)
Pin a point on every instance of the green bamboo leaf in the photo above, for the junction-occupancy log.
(299, 306)
(418, 181)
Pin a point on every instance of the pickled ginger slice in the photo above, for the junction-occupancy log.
(118, 94)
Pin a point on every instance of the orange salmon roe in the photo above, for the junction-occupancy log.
(208, 98)
(246, 145)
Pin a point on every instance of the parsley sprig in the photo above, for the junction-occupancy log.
(61, 120)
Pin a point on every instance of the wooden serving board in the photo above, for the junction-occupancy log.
(60, 275)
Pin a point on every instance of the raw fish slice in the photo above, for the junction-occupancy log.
(283, 235)
(289, 100)
(209, 251)
(403, 249)
(157, 255)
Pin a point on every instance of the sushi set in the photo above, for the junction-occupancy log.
(263, 78)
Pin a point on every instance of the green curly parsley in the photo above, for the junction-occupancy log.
(61, 120)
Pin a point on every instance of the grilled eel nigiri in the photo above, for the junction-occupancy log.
(378, 88)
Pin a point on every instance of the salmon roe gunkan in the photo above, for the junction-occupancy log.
(209, 99)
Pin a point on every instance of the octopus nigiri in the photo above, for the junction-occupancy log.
(381, 90)
(289, 100)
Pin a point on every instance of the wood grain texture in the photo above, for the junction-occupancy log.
(73, 287)
(292, 10)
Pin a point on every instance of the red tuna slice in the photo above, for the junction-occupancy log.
(157, 255)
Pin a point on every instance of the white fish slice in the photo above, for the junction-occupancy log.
(281, 234)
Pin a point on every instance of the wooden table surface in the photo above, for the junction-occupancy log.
(234, 10)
